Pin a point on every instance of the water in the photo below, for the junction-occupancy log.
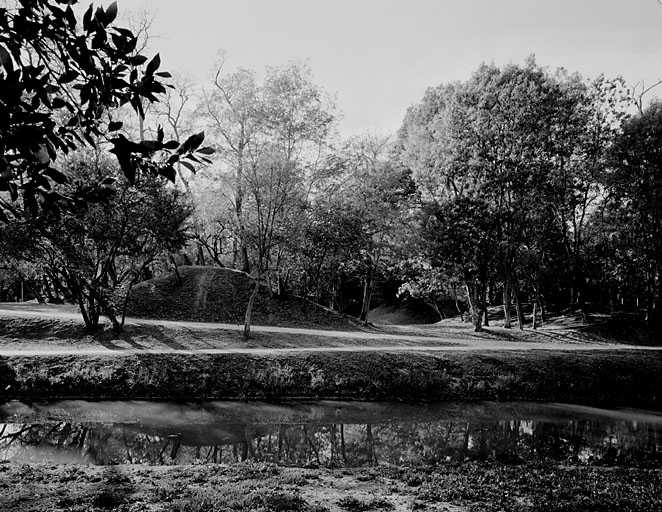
(326, 433)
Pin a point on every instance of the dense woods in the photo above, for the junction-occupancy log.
(533, 189)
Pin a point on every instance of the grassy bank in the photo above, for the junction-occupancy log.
(467, 486)
(628, 378)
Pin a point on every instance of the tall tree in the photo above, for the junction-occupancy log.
(530, 146)
(634, 184)
(270, 135)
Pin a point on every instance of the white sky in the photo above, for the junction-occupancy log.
(378, 56)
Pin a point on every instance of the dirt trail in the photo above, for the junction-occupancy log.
(431, 338)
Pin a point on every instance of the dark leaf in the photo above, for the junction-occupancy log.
(168, 171)
(99, 38)
(87, 19)
(113, 126)
(58, 103)
(206, 150)
(42, 182)
(68, 76)
(192, 143)
(188, 166)
(71, 17)
(128, 167)
(137, 60)
(153, 65)
(55, 175)
(111, 13)
(13, 191)
(5, 59)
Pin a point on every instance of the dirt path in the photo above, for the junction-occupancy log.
(449, 337)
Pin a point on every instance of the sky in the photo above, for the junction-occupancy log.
(377, 57)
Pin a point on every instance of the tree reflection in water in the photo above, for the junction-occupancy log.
(576, 441)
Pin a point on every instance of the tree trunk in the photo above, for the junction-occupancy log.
(342, 443)
(535, 314)
(473, 295)
(486, 320)
(117, 327)
(518, 307)
(457, 304)
(174, 264)
(245, 264)
(507, 304)
(249, 309)
(200, 257)
(367, 296)
(83, 311)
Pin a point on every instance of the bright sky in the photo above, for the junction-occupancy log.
(378, 56)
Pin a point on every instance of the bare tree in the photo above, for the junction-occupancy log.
(229, 108)
(175, 112)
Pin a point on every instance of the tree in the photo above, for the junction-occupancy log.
(529, 145)
(230, 110)
(286, 114)
(634, 205)
(323, 255)
(100, 247)
(269, 136)
(460, 238)
(60, 81)
(431, 284)
(377, 191)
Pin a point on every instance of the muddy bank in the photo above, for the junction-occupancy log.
(487, 486)
(622, 378)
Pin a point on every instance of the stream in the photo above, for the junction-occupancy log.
(326, 433)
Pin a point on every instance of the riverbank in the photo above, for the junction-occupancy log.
(46, 354)
(630, 378)
(469, 486)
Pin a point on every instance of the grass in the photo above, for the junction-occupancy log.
(247, 487)
(34, 333)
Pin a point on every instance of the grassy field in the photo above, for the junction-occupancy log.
(470, 486)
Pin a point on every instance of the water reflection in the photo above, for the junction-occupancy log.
(325, 433)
